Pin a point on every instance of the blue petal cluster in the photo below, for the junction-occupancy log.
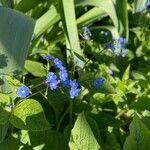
(63, 75)
(58, 63)
(86, 33)
(74, 91)
(48, 57)
(51, 77)
(22, 91)
(119, 43)
(97, 82)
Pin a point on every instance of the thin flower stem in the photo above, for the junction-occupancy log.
(70, 112)
(62, 117)
(37, 85)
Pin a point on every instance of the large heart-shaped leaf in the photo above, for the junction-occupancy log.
(29, 115)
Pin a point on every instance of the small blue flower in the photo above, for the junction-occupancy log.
(107, 45)
(65, 83)
(48, 57)
(50, 76)
(99, 81)
(22, 91)
(123, 52)
(74, 92)
(119, 44)
(63, 75)
(86, 33)
(58, 63)
(73, 83)
(53, 84)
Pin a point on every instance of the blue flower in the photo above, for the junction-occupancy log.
(63, 75)
(74, 92)
(107, 45)
(65, 83)
(86, 33)
(22, 91)
(53, 84)
(119, 44)
(50, 76)
(48, 57)
(97, 82)
(147, 4)
(123, 52)
(73, 83)
(58, 63)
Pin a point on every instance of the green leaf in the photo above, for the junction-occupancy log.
(4, 109)
(126, 74)
(48, 139)
(122, 13)
(87, 80)
(139, 5)
(139, 136)
(16, 141)
(26, 5)
(91, 16)
(46, 21)
(17, 30)
(3, 131)
(35, 68)
(82, 137)
(70, 27)
(107, 6)
(29, 115)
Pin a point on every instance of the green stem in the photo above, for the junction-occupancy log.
(70, 112)
(62, 117)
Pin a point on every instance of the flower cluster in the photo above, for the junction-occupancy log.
(98, 82)
(116, 45)
(74, 89)
(53, 80)
(86, 33)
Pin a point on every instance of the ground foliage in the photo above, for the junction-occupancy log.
(102, 46)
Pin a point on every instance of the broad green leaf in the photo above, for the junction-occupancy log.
(122, 14)
(141, 104)
(69, 23)
(3, 131)
(46, 21)
(139, 5)
(82, 137)
(16, 141)
(139, 136)
(29, 115)
(4, 108)
(111, 142)
(35, 68)
(17, 30)
(48, 139)
(107, 6)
